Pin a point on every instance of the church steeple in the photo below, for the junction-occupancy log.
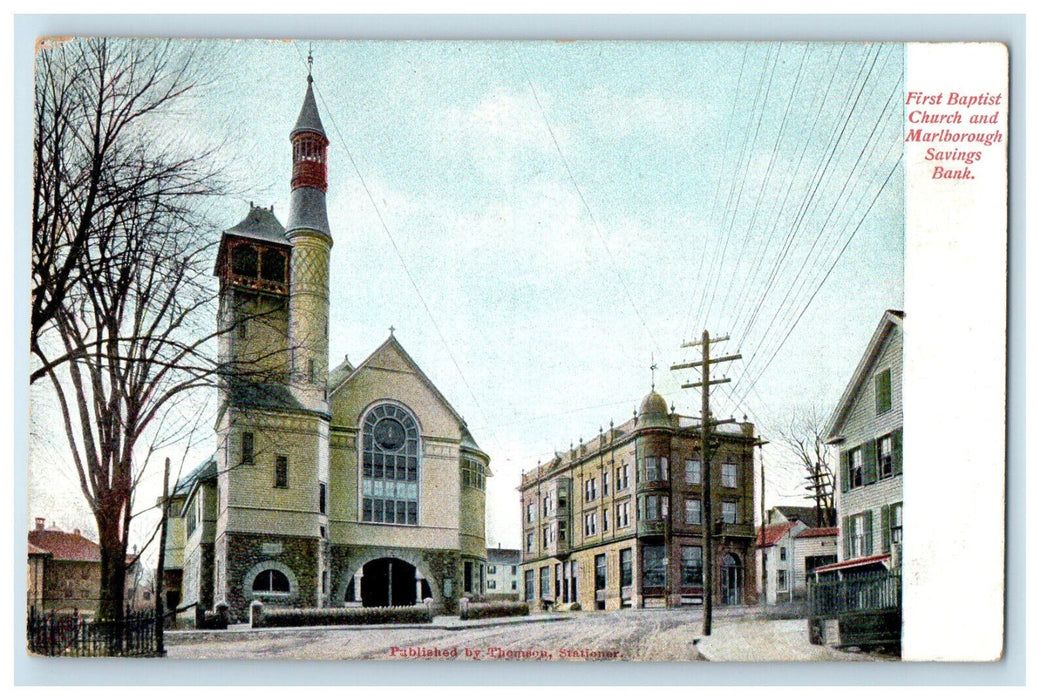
(309, 167)
(310, 237)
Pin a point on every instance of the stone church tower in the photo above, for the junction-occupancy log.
(274, 425)
(355, 486)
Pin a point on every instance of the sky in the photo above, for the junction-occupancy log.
(543, 221)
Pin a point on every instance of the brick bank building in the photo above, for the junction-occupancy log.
(355, 486)
(616, 521)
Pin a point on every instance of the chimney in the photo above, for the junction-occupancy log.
(40, 524)
(76, 531)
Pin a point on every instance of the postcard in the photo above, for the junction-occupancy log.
(575, 351)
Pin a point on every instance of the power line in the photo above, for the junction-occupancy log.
(585, 203)
(396, 248)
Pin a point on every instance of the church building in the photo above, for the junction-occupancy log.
(355, 486)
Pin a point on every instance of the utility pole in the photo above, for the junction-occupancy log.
(822, 492)
(708, 446)
(159, 585)
(762, 540)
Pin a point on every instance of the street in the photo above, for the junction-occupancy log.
(641, 635)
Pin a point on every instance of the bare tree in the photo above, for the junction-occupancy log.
(123, 304)
(800, 435)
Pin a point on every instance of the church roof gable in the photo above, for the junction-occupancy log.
(382, 352)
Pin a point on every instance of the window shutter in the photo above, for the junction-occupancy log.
(845, 533)
(885, 529)
(870, 467)
(867, 540)
(896, 450)
(845, 471)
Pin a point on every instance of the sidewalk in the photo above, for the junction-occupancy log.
(440, 622)
(735, 639)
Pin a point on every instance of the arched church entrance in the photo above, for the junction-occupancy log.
(389, 581)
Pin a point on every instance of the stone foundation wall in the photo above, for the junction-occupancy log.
(246, 552)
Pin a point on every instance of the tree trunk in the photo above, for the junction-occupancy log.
(114, 567)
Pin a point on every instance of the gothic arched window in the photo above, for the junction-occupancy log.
(390, 456)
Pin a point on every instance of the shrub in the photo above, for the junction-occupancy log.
(314, 617)
(481, 611)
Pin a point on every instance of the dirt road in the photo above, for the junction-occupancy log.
(642, 635)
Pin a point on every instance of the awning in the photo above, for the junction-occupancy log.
(853, 563)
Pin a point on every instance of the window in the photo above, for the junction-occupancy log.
(280, 472)
(783, 554)
(545, 537)
(625, 567)
(883, 392)
(896, 523)
(273, 266)
(606, 526)
(883, 457)
(891, 522)
(562, 530)
(730, 512)
(530, 541)
(529, 585)
(622, 477)
(323, 498)
(656, 507)
(544, 578)
(530, 512)
(492, 569)
(654, 566)
(622, 514)
(590, 523)
(590, 489)
(656, 468)
(390, 461)
(693, 511)
(729, 475)
(190, 517)
(271, 581)
(245, 261)
(691, 566)
(512, 570)
(601, 572)
(606, 483)
(859, 535)
(512, 584)
(312, 370)
(855, 460)
(247, 448)
(467, 576)
(490, 584)
(783, 580)
(693, 471)
(547, 505)
(473, 474)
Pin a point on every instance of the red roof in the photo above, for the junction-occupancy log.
(853, 563)
(820, 532)
(770, 534)
(65, 546)
(33, 549)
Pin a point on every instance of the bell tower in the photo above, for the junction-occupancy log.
(310, 236)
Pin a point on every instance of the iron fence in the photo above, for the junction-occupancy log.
(70, 634)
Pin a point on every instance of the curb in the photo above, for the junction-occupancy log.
(485, 624)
